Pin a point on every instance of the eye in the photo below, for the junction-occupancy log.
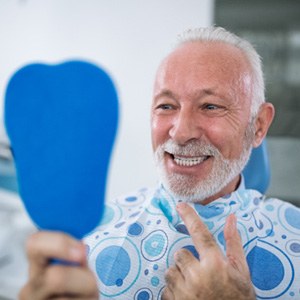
(165, 106)
(213, 109)
(210, 106)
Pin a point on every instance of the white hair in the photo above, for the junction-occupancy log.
(219, 34)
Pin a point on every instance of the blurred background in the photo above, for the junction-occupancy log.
(273, 26)
(129, 39)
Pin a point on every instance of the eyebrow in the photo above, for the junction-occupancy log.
(166, 93)
(211, 91)
(197, 94)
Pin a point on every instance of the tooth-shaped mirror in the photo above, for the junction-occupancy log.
(62, 121)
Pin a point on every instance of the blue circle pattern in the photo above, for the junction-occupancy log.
(143, 294)
(106, 260)
(131, 199)
(155, 281)
(295, 247)
(292, 216)
(154, 245)
(135, 229)
(262, 225)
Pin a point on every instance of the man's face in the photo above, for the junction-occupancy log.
(200, 120)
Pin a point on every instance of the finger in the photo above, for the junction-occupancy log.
(73, 281)
(173, 278)
(202, 238)
(43, 246)
(25, 293)
(234, 247)
(60, 281)
(185, 261)
(167, 294)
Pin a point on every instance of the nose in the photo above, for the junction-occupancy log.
(185, 128)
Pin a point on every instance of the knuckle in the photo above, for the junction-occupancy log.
(195, 227)
(185, 261)
(208, 240)
(42, 244)
(170, 275)
(182, 254)
(166, 295)
(32, 242)
(61, 241)
(55, 280)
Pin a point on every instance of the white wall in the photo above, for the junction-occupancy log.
(126, 37)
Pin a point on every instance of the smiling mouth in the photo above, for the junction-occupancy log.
(188, 161)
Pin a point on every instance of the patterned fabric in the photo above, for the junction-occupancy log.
(140, 233)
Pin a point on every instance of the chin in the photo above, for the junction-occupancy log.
(190, 190)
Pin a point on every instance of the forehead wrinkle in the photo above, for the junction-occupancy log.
(201, 93)
(231, 61)
(166, 93)
(198, 94)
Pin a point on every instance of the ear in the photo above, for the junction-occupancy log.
(263, 121)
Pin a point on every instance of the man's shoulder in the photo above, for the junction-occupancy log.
(282, 214)
(129, 205)
(134, 198)
(271, 203)
(266, 202)
(121, 210)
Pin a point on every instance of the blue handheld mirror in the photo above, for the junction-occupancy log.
(62, 121)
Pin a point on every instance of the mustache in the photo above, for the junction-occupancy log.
(192, 148)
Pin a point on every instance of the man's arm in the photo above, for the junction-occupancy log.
(214, 276)
(49, 280)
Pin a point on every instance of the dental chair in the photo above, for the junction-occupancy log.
(257, 171)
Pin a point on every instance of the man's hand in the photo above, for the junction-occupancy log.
(214, 276)
(49, 280)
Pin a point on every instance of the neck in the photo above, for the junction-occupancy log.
(231, 187)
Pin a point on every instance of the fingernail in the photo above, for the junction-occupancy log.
(181, 206)
(76, 253)
(175, 256)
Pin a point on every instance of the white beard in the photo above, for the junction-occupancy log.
(186, 187)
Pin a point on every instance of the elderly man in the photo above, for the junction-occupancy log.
(201, 234)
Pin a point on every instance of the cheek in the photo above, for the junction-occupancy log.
(228, 141)
(159, 131)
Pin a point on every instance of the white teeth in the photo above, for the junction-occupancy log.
(189, 161)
